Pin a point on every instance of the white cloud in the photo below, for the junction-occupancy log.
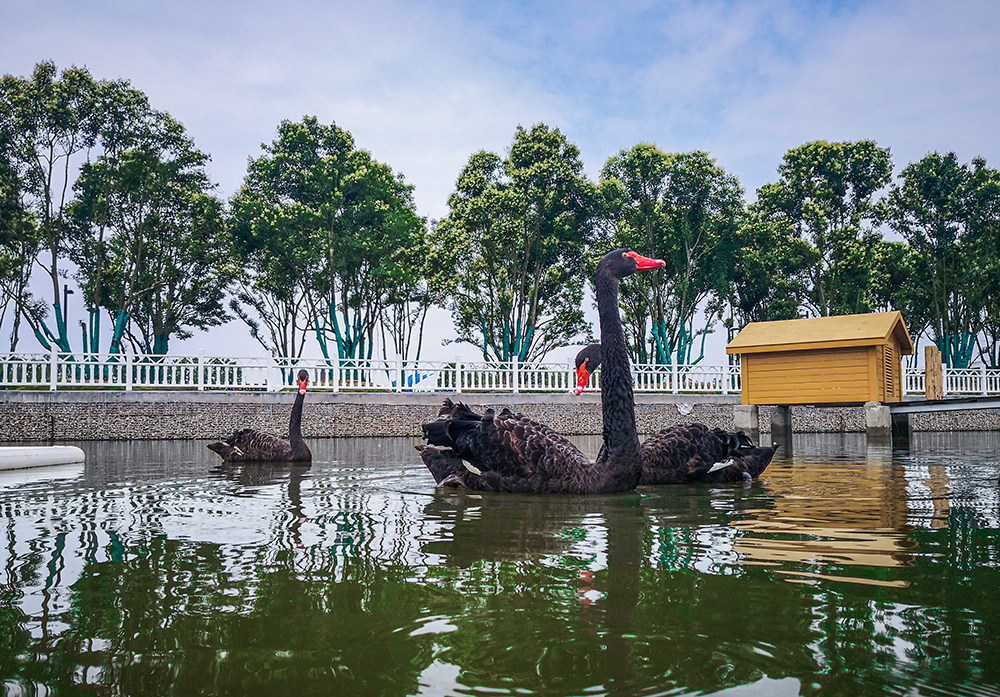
(916, 77)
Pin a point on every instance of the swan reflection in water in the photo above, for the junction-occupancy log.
(256, 475)
(583, 552)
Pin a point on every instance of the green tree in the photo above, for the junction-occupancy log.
(20, 241)
(510, 254)
(899, 283)
(684, 209)
(149, 238)
(271, 300)
(408, 303)
(49, 120)
(984, 222)
(328, 232)
(770, 264)
(942, 208)
(826, 194)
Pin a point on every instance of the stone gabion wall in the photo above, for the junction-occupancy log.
(972, 420)
(120, 416)
(54, 420)
(819, 420)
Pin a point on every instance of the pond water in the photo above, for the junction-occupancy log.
(845, 570)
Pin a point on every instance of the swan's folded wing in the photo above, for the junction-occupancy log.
(530, 448)
(251, 441)
(680, 454)
(747, 464)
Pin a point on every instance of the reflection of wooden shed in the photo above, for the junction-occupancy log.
(823, 360)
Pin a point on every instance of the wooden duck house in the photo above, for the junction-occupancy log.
(849, 359)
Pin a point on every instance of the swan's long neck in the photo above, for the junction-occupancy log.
(295, 424)
(621, 442)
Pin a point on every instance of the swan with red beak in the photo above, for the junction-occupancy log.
(589, 359)
(511, 452)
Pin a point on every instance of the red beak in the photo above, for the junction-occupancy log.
(582, 376)
(646, 263)
(302, 386)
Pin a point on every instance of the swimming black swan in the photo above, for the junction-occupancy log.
(251, 445)
(688, 453)
(679, 455)
(510, 452)
(587, 361)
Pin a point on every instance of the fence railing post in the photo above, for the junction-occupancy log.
(676, 376)
(53, 369)
(399, 373)
(199, 362)
(269, 375)
(128, 370)
(725, 379)
(516, 374)
(336, 372)
(458, 375)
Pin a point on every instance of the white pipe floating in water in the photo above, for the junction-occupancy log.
(15, 457)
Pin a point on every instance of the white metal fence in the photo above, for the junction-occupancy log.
(55, 371)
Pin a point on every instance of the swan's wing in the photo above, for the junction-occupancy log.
(523, 447)
(681, 454)
(747, 464)
(251, 445)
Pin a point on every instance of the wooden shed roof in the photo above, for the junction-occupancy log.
(822, 332)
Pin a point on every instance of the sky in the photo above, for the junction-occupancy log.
(423, 85)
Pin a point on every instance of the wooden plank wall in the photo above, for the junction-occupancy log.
(819, 376)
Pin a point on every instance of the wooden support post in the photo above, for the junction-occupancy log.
(933, 374)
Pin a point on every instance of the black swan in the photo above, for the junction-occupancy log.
(511, 452)
(696, 454)
(587, 361)
(251, 445)
(688, 453)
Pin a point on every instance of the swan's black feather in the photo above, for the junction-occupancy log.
(686, 454)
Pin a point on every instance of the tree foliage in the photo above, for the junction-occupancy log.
(510, 254)
(330, 245)
(684, 209)
(49, 120)
(20, 241)
(149, 239)
(770, 270)
(942, 208)
(327, 232)
(826, 194)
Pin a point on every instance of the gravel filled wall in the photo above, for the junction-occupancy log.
(57, 416)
